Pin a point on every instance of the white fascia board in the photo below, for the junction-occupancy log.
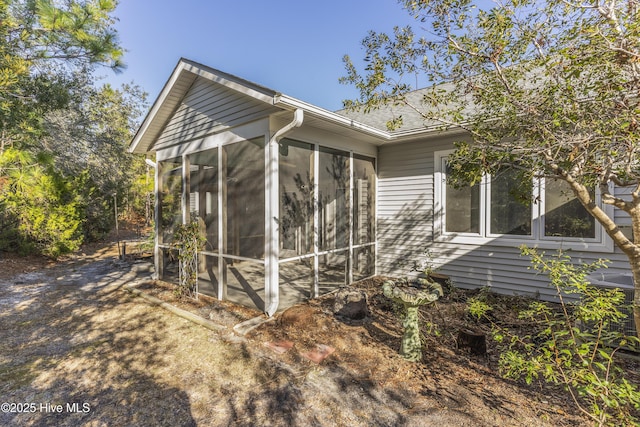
(197, 70)
(426, 132)
(156, 107)
(386, 137)
(231, 82)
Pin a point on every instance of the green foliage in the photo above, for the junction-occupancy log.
(44, 45)
(576, 344)
(478, 308)
(39, 208)
(546, 89)
(89, 141)
(59, 192)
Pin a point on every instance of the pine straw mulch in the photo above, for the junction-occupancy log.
(461, 387)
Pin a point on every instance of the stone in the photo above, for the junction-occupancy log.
(351, 304)
(279, 347)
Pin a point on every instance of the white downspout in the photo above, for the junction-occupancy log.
(272, 242)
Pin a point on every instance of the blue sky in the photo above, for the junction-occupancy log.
(294, 47)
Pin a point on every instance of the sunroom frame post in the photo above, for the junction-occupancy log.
(350, 208)
(186, 189)
(315, 286)
(158, 255)
(222, 222)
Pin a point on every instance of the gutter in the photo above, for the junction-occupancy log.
(272, 291)
(386, 137)
(289, 103)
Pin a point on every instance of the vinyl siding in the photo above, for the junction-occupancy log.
(406, 230)
(208, 108)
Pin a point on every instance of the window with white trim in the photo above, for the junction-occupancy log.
(490, 212)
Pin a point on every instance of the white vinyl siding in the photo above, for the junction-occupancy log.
(207, 108)
(406, 229)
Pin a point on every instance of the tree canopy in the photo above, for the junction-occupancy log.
(62, 138)
(543, 88)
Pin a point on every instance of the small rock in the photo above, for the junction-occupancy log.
(351, 304)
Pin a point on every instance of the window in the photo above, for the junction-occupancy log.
(462, 208)
(509, 215)
(491, 211)
(564, 215)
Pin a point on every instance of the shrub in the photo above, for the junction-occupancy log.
(575, 346)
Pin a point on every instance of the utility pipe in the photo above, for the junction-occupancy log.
(272, 292)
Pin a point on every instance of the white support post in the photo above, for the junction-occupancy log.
(222, 222)
(158, 254)
(315, 291)
(350, 203)
(186, 189)
(375, 217)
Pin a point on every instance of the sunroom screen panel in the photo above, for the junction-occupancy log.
(333, 192)
(204, 195)
(295, 223)
(244, 198)
(170, 198)
(364, 203)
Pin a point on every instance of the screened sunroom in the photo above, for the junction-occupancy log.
(284, 193)
(306, 223)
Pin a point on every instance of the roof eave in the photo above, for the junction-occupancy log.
(135, 146)
(187, 71)
(185, 67)
(290, 103)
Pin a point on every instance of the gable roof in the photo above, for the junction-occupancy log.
(174, 90)
(370, 126)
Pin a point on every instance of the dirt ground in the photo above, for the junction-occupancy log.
(77, 349)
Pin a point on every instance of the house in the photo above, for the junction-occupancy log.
(296, 200)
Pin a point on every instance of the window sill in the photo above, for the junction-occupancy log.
(596, 245)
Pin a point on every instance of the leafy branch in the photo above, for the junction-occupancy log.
(576, 343)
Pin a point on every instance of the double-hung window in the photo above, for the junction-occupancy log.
(494, 210)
